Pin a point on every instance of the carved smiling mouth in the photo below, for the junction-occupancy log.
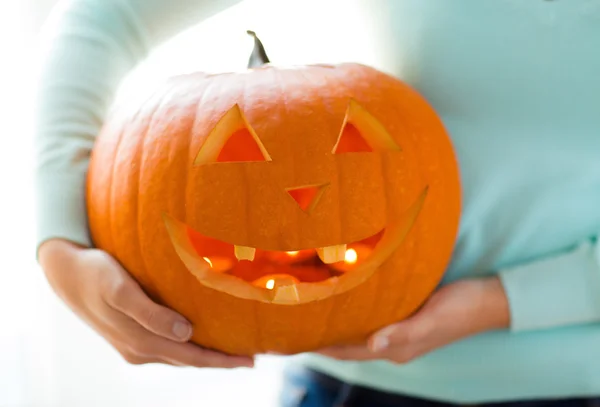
(288, 277)
(262, 266)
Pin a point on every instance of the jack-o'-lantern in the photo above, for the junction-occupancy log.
(279, 209)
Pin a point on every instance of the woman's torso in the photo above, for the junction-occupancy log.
(517, 83)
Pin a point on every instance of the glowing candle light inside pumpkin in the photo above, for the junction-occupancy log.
(274, 280)
(350, 256)
(218, 264)
(289, 257)
(353, 255)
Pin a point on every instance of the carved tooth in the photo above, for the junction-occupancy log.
(332, 254)
(287, 294)
(244, 253)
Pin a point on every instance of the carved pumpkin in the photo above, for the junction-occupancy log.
(279, 209)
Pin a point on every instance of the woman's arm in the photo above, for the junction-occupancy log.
(556, 291)
(88, 48)
(548, 293)
(90, 45)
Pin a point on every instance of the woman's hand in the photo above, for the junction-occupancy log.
(103, 294)
(456, 311)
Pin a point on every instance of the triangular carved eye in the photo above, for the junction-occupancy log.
(232, 140)
(362, 132)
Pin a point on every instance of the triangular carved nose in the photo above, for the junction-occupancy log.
(307, 196)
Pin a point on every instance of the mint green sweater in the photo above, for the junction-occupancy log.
(517, 83)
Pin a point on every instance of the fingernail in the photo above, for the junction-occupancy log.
(380, 343)
(182, 330)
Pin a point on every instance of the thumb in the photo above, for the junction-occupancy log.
(129, 298)
(401, 334)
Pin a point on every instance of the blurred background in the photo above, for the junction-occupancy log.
(47, 356)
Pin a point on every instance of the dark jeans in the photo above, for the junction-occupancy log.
(307, 388)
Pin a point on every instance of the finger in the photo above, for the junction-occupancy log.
(134, 340)
(127, 297)
(133, 351)
(133, 359)
(402, 334)
(192, 355)
(126, 352)
(359, 353)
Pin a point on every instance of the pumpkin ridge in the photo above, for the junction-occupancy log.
(327, 326)
(408, 280)
(326, 84)
(328, 311)
(376, 309)
(191, 154)
(200, 322)
(383, 170)
(284, 106)
(111, 245)
(257, 338)
(118, 183)
(141, 154)
(328, 109)
(109, 236)
(136, 204)
(340, 222)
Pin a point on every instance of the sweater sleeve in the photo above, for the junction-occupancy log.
(88, 47)
(556, 291)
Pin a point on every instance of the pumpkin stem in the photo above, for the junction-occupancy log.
(259, 55)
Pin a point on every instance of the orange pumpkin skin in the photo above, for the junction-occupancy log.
(144, 167)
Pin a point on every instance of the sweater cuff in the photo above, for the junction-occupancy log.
(61, 208)
(558, 291)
